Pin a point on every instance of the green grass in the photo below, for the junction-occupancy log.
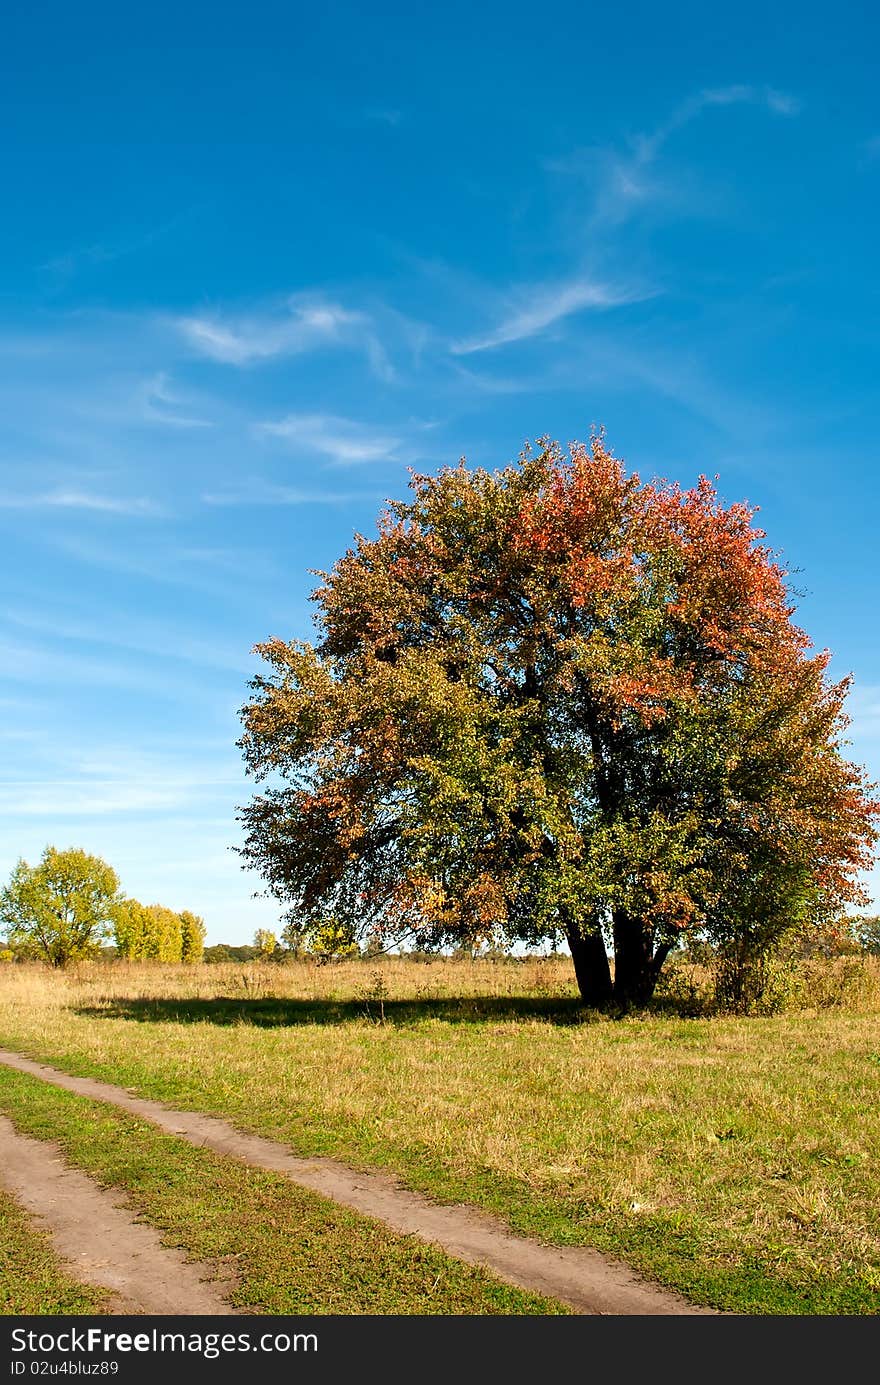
(290, 1251)
(736, 1160)
(33, 1282)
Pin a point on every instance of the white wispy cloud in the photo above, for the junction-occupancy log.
(219, 572)
(34, 664)
(121, 396)
(59, 799)
(63, 499)
(782, 102)
(118, 782)
(495, 384)
(117, 631)
(624, 182)
(542, 305)
(300, 325)
(161, 403)
(612, 362)
(739, 94)
(342, 440)
(263, 493)
(105, 251)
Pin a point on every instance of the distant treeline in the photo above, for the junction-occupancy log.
(222, 952)
(332, 943)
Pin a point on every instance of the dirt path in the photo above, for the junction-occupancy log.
(583, 1279)
(98, 1238)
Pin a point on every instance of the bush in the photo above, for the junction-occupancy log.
(704, 981)
(756, 984)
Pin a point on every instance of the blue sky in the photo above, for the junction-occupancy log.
(258, 260)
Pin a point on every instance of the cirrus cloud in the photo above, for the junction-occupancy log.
(300, 325)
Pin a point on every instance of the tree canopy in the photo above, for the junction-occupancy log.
(63, 907)
(556, 701)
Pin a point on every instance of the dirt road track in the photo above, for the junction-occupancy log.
(98, 1238)
(584, 1279)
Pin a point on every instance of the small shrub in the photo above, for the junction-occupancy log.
(375, 994)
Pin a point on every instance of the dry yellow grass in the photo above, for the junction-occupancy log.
(440, 978)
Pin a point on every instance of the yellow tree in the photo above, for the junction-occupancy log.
(166, 934)
(192, 937)
(133, 927)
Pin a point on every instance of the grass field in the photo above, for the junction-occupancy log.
(289, 1251)
(737, 1160)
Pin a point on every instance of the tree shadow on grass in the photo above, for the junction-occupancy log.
(280, 1012)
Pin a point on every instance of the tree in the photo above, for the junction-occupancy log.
(152, 932)
(166, 938)
(319, 937)
(133, 929)
(332, 940)
(267, 946)
(63, 907)
(219, 952)
(557, 702)
(222, 952)
(192, 937)
(293, 938)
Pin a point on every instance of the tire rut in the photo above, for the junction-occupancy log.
(98, 1238)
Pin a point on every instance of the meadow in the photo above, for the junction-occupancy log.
(736, 1160)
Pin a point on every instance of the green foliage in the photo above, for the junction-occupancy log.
(223, 952)
(133, 930)
(293, 938)
(166, 938)
(752, 982)
(62, 908)
(218, 952)
(807, 968)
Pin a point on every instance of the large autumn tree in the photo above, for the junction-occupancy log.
(557, 701)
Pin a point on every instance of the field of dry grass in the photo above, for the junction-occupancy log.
(734, 1159)
(437, 979)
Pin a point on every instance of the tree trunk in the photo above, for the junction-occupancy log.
(591, 967)
(636, 965)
